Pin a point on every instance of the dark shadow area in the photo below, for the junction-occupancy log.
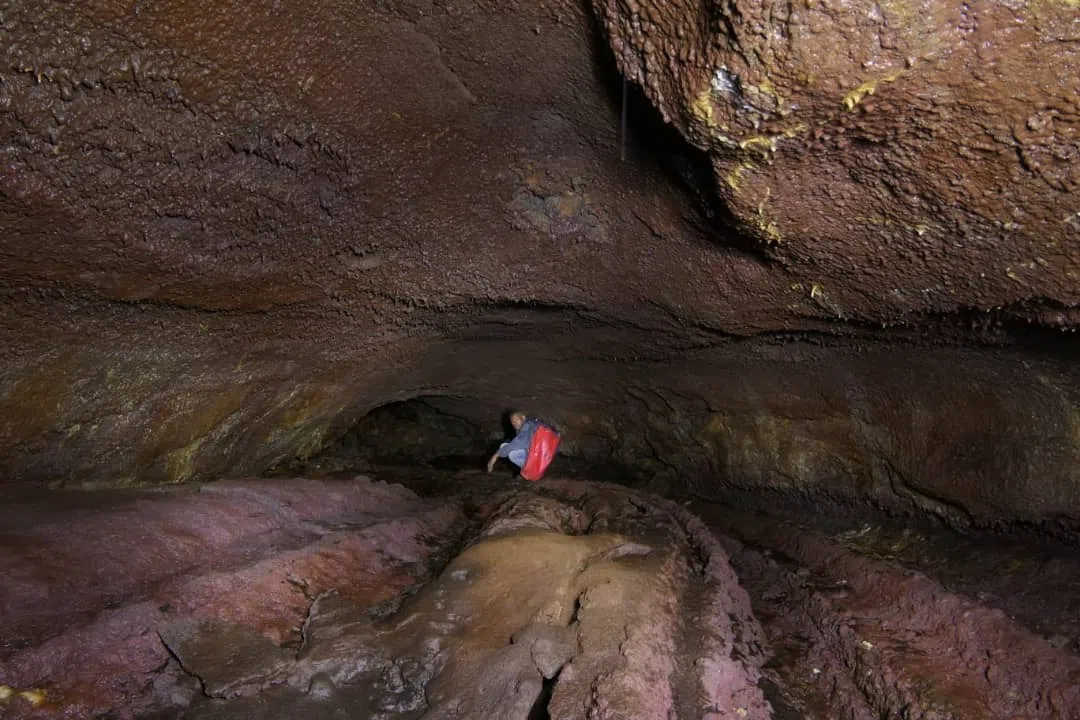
(507, 426)
(1014, 325)
(440, 432)
(540, 710)
(426, 442)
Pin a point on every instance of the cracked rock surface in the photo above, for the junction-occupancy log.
(879, 621)
(584, 600)
(576, 600)
(100, 588)
(494, 597)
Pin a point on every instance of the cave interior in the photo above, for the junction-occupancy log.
(796, 284)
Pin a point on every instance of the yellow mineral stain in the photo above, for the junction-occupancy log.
(772, 232)
(766, 87)
(856, 96)
(767, 143)
(764, 142)
(180, 464)
(703, 108)
(764, 225)
(734, 178)
(34, 697)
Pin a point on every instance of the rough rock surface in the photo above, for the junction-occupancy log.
(573, 602)
(864, 636)
(300, 599)
(584, 600)
(918, 156)
(975, 437)
(225, 237)
(228, 232)
(97, 584)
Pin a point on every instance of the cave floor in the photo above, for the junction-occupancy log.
(1032, 578)
(418, 592)
(861, 565)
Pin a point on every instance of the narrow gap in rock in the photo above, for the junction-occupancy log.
(654, 142)
(687, 687)
(540, 710)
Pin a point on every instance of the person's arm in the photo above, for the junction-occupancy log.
(503, 451)
(520, 442)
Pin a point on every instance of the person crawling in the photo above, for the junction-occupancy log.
(532, 448)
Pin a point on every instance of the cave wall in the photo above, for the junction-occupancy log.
(972, 436)
(223, 230)
(227, 233)
(969, 436)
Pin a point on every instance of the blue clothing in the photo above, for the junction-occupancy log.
(517, 450)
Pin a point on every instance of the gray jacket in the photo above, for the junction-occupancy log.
(522, 440)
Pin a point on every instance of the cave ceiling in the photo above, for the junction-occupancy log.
(229, 231)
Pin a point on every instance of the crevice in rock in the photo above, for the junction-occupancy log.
(200, 683)
(540, 710)
(653, 142)
(306, 624)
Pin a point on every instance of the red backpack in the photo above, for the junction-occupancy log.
(545, 442)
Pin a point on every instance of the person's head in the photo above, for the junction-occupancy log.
(517, 419)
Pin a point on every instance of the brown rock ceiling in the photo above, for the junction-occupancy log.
(230, 231)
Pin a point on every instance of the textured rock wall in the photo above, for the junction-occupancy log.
(221, 228)
(918, 156)
(971, 435)
(226, 234)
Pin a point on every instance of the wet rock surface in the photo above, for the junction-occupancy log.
(569, 603)
(571, 599)
(565, 599)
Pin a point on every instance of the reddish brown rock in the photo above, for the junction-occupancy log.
(915, 157)
(92, 579)
(863, 635)
(574, 599)
(225, 238)
(984, 437)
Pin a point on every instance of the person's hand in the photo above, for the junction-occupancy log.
(491, 463)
